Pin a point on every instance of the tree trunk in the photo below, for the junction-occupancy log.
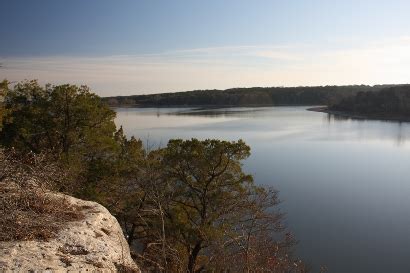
(192, 258)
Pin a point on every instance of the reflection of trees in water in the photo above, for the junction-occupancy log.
(333, 117)
(398, 131)
(218, 113)
(401, 139)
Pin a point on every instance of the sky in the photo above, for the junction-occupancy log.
(152, 46)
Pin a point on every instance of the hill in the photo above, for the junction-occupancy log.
(391, 103)
(255, 96)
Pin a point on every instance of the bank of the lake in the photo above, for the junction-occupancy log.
(359, 116)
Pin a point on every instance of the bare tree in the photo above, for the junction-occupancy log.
(259, 241)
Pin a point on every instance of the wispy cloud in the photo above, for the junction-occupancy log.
(221, 67)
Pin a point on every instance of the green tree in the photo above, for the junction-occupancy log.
(69, 122)
(121, 189)
(208, 184)
(61, 118)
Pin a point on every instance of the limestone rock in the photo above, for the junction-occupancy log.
(95, 243)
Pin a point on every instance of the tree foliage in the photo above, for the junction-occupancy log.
(209, 186)
(190, 207)
(67, 121)
(390, 102)
(64, 119)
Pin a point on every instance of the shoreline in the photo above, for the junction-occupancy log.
(207, 106)
(350, 115)
(322, 109)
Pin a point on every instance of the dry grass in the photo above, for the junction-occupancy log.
(27, 209)
(125, 269)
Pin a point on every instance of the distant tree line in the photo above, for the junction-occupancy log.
(392, 102)
(255, 96)
(185, 207)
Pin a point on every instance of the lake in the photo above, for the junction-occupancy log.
(345, 184)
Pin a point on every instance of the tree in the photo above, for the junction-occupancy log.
(67, 121)
(3, 93)
(180, 199)
(208, 184)
(390, 103)
(258, 242)
(62, 118)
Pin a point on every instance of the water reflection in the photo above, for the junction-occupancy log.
(221, 112)
(267, 123)
(396, 131)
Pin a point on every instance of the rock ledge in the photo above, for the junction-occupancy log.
(95, 243)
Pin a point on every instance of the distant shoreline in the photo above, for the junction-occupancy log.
(322, 109)
(351, 115)
(207, 106)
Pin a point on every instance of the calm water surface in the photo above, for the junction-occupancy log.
(345, 184)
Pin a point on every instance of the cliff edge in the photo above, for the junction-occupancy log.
(94, 243)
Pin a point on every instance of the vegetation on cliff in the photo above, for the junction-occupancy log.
(27, 211)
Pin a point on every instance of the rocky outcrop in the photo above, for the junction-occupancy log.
(95, 243)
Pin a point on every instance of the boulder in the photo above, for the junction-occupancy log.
(96, 243)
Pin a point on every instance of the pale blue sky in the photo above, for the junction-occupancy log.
(137, 46)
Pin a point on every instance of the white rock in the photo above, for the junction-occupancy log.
(95, 243)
